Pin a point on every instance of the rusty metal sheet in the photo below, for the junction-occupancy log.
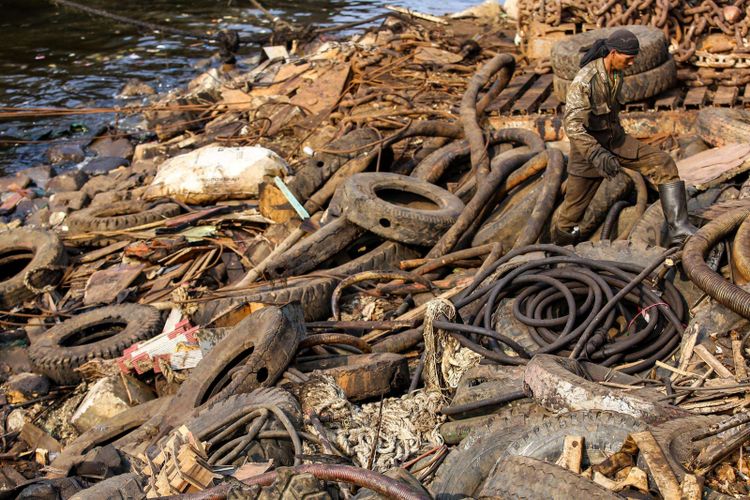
(530, 100)
(696, 98)
(508, 96)
(104, 286)
(725, 96)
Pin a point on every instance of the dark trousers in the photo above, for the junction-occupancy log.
(656, 165)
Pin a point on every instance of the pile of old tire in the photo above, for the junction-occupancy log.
(653, 71)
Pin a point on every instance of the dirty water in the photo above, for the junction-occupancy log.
(52, 56)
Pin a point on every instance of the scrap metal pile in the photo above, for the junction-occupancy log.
(709, 38)
(328, 277)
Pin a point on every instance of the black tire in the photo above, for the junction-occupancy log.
(603, 432)
(361, 203)
(202, 423)
(722, 126)
(31, 261)
(634, 87)
(566, 54)
(120, 215)
(254, 354)
(63, 347)
(524, 478)
(466, 467)
(565, 384)
(113, 430)
(123, 487)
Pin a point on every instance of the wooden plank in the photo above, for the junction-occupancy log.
(508, 96)
(708, 358)
(740, 369)
(692, 487)
(696, 98)
(667, 100)
(572, 454)
(746, 94)
(530, 100)
(551, 105)
(725, 96)
(658, 465)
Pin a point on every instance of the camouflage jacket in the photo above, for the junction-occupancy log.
(592, 110)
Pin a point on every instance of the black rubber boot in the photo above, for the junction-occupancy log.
(674, 204)
(564, 238)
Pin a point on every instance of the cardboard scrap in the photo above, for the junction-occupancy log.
(179, 348)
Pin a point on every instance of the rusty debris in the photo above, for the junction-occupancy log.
(332, 275)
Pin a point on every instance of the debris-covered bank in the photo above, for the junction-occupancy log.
(331, 276)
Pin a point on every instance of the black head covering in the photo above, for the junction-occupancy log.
(623, 41)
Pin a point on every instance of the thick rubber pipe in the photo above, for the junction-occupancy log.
(612, 215)
(434, 166)
(741, 249)
(479, 203)
(695, 251)
(546, 202)
(505, 64)
(641, 201)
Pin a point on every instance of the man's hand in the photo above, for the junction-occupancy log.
(605, 162)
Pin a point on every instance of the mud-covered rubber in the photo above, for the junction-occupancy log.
(722, 126)
(603, 433)
(70, 344)
(203, 420)
(525, 478)
(503, 226)
(466, 467)
(559, 383)
(254, 354)
(111, 431)
(634, 87)
(651, 228)
(31, 260)
(123, 487)
(360, 203)
(675, 438)
(120, 215)
(313, 294)
(566, 54)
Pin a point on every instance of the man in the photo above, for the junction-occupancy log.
(599, 147)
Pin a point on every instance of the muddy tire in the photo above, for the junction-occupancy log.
(528, 478)
(123, 487)
(603, 432)
(315, 294)
(634, 87)
(503, 227)
(70, 344)
(651, 228)
(206, 421)
(31, 261)
(564, 384)
(675, 438)
(113, 430)
(361, 202)
(566, 54)
(120, 215)
(722, 126)
(466, 467)
(254, 354)
(628, 252)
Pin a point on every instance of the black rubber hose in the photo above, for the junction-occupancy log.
(483, 403)
(695, 251)
(612, 216)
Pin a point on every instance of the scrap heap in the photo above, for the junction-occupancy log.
(330, 276)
